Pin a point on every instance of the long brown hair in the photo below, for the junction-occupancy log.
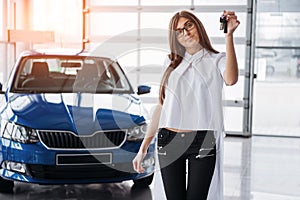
(177, 50)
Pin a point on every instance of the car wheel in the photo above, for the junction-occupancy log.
(6, 186)
(143, 182)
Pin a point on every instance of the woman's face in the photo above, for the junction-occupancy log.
(186, 33)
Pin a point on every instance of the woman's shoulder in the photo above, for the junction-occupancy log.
(214, 55)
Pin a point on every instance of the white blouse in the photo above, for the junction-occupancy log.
(193, 96)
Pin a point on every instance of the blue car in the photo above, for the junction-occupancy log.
(71, 118)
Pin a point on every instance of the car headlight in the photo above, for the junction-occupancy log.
(137, 133)
(18, 133)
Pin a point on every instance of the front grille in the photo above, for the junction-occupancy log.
(86, 172)
(68, 140)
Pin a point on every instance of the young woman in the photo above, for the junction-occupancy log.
(189, 116)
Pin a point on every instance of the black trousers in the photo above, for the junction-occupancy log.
(197, 150)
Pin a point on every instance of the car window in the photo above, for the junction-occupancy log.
(70, 74)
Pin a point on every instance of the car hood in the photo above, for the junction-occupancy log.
(77, 112)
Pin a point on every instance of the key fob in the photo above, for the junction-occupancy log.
(223, 24)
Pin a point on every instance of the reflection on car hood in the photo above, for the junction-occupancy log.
(80, 113)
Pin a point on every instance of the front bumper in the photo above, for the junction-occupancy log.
(42, 167)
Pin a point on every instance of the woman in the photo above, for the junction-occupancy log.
(189, 114)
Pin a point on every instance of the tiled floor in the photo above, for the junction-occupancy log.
(260, 168)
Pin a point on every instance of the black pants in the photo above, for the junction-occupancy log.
(197, 150)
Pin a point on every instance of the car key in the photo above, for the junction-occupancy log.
(223, 24)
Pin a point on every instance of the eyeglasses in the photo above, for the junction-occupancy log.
(188, 26)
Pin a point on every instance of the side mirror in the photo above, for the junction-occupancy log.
(143, 89)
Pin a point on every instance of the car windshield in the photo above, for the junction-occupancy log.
(65, 74)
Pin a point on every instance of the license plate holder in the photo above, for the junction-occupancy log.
(84, 159)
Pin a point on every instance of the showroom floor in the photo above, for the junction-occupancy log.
(260, 168)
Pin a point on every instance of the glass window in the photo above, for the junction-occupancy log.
(2, 70)
(211, 22)
(128, 60)
(112, 23)
(2, 49)
(1, 22)
(278, 29)
(156, 20)
(221, 2)
(277, 65)
(69, 74)
(153, 57)
(113, 2)
(165, 2)
(64, 20)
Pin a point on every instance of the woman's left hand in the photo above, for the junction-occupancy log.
(232, 21)
(137, 162)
